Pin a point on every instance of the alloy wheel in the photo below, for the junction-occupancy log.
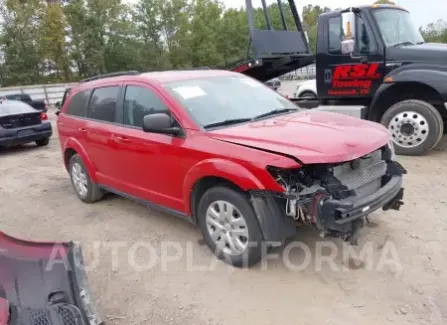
(408, 129)
(227, 227)
(79, 177)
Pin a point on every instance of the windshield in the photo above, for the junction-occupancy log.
(397, 28)
(218, 99)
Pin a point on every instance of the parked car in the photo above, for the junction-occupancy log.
(306, 89)
(20, 124)
(229, 154)
(274, 83)
(37, 104)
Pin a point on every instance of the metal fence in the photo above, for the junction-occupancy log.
(305, 73)
(50, 93)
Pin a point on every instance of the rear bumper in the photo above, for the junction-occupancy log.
(14, 137)
(339, 215)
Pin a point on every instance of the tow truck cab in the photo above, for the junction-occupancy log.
(371, 62)
(376, 57)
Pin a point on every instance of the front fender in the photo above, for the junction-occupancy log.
(434, 79)
(228, 170)
(74, 144)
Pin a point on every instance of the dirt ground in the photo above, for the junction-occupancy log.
(37, 202)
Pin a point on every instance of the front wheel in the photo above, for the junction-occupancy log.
(416, 127)
(308, 95)
(230, 227)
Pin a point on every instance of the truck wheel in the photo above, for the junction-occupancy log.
(416, 127)
(229, 226)
(85, 189)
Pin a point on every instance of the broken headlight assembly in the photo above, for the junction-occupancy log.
(300, 188)
(292, 180)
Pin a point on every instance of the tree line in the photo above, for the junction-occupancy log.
(43, 41)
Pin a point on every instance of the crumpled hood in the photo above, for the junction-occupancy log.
(310, 136)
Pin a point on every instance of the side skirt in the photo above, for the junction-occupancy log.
(149, 204)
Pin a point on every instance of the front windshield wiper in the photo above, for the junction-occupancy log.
(274, 112)
(227, 122)
(403, 44)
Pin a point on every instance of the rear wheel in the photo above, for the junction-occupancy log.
(43, 142)
(416, 127)
(85, 188)
(229, 226)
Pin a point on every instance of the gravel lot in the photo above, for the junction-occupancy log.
(38, 202)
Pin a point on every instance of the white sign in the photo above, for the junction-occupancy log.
(188, 92)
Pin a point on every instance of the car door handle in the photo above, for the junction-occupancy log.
(121, 139)
(83, 130)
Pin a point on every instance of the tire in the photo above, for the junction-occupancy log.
(427, 131)
(43, 142)
(252, 253)
(308, 94)
(92, 191)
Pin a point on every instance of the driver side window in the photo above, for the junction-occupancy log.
(364, 40)
(139, 102)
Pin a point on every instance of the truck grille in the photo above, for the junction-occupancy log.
(362, 175)
(17, 121)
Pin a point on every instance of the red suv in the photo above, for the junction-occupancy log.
(229, 154)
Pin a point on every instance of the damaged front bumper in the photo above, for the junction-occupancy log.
(338, 217)
(43, 283)
(336, 200)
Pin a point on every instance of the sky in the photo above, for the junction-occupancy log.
(423, 11)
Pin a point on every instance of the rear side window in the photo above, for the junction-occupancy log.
(78, 103)
(103, 104)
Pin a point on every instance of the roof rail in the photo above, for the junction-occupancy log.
(113, 74)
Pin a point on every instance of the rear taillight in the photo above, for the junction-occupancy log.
(43, 116)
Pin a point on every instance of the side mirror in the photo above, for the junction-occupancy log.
(159, 123)
(348, 35)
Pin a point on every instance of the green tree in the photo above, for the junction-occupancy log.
(19, 42)
(77, 16)
(435, 32)
(148, 27)
(175, 30)
(52, 41)
(233, 36)
(385, 2)
(310, 21)
(203, 36)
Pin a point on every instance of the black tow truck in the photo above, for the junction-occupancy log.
(371, 62)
